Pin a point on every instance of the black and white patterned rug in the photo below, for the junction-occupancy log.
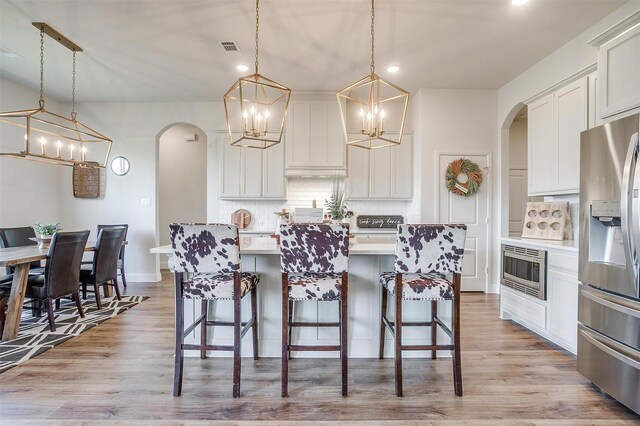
(35, 337)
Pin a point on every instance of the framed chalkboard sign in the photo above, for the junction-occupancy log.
(379, 221)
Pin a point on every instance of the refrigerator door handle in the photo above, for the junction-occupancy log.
(592, 338)
(629, 205)
(604, 300)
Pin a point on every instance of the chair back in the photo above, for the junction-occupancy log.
(208, 248)
(62, 272)
(430, 248)
(314, 248)
(126, 229)
(16, 237)
(105, 257)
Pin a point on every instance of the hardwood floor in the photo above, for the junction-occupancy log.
(122, 371)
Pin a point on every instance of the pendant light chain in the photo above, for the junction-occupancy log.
(373, 15)
(73, 88)
(257, 31)
(42, 67)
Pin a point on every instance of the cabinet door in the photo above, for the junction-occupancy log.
(357, 173)
(618, 65)
(541, 146)
(570, 108)
(230, 159)
(251, 185)
(380, 172)
(273, 185)
(592, 101)
(314, 137)
(562, 299)
(402, 167)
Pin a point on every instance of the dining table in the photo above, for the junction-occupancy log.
(20, 259)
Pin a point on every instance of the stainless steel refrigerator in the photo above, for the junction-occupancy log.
(609, 295)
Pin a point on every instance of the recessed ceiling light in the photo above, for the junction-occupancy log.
(393, 68)
(519, 2)
(242, 68)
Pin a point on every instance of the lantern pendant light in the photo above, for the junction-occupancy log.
(256, 107)
(49, 137)
(373, 110)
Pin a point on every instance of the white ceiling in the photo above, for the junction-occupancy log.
(169, 50)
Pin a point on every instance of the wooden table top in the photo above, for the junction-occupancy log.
(13, 256)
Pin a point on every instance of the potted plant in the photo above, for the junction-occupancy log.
(336, 204)
(45, 233)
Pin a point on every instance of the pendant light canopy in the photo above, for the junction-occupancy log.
(373, 110)
(256, 107)
(49, 137)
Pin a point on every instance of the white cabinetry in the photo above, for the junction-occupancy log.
(247, 173)
(381, 174)
(314, 143)
(618, 65)
(554, 125)
(556, 318)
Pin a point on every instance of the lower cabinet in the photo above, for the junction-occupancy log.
(556, 318)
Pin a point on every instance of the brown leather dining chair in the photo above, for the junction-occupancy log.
(121, 273)
(62, 272)
(104, 268)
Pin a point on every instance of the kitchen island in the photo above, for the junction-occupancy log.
(368, 257)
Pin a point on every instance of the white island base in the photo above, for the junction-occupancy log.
(367, 260)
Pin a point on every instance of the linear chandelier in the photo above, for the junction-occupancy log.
(373, 110)
(49, 137)
(256, 107)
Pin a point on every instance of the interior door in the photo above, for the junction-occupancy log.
(472, 211)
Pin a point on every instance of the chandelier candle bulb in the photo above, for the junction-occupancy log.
(58, 146)
(83, 151)
(43, 142)
(71, 148)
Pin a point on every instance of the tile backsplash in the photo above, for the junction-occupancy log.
(301, 193)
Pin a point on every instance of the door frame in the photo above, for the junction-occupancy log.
(487, 183)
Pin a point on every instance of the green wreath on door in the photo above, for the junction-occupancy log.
(463, 177)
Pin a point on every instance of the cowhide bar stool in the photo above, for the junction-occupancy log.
(428, 265)
(314, 261)
(207, 266)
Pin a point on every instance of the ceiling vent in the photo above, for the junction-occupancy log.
(229, 46)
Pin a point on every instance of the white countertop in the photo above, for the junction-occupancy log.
(568, 245)
(260, 245)
(355, 231)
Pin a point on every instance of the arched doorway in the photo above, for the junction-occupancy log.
(181, 178)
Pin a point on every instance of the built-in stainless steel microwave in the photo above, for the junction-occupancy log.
(524, 269)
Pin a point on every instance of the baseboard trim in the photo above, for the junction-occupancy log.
(144, 277)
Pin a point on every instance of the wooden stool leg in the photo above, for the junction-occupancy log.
(76, 297)
(203, 327)
(434, 327)
(117, 288)
(236, 340)
(344, 316)
(457, 359)
(398, 337)
(291, 306)
(285, 336)
(383, 314)
(179, 352)
(96, 287)
(52, 321)
(254, 315)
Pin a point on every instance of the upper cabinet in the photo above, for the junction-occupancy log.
(247, 173)
(380, 174)
(554, 125)
(618, 65)
(314, 141)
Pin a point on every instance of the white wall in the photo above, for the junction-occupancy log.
(518, 144)
(182, 178)
(29, 190)
(135, 129)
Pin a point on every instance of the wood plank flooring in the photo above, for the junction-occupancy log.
(122, 371)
